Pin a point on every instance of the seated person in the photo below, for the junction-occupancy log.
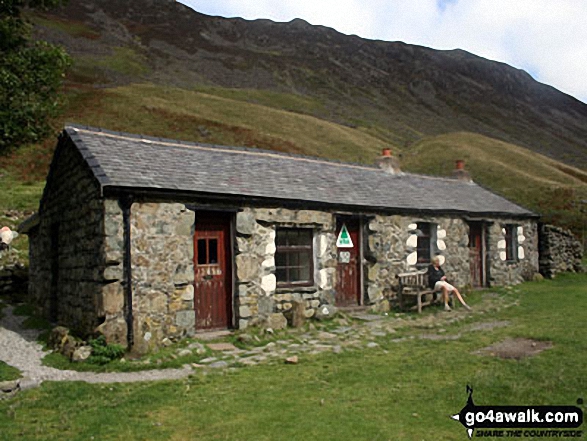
(437, 281)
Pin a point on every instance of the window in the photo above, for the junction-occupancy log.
(208, 251)
(511, 243)
(423, 247)
(294, 257)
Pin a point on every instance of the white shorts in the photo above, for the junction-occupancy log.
(441, 283)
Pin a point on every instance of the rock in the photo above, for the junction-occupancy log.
(292, 360)
(184, 352)
(247, 267)
(372, 345)
(326, 335)
(166, 342)
(9, 386)
(277, 321)
(115, 331)
(81, 354)
(245, 223)
(68, 346)
(325, 312)
(219, 365)
(244, 338)
(208, 360)
(57, 337)
(382, 307)
(296, 314)
(537, 277)
(222, 346)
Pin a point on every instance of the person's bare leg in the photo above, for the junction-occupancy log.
(458, 294)
(445, 298)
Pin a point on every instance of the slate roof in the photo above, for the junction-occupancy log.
(131, 161)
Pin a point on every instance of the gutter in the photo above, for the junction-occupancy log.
(125, 203)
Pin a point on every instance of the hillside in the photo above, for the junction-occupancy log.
(401, 92)
(167, 71)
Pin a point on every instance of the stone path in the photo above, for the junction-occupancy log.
(18, 347)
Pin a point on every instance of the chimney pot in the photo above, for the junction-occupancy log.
(460, 173)
(388, 162)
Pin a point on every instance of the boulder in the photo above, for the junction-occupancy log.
(296, 314)
(82, 353)
(325, 312)
(276, 321)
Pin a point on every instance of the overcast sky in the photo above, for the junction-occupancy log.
(546, 38)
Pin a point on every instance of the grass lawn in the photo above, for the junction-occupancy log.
(404, 390)
(8, 373)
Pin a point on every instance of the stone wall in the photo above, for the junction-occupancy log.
(392, 247)
(162, 273)
(13, 279)
(523, 268)
(260, 301)
(69, 234)
(560, 251)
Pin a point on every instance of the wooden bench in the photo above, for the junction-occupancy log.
(415, 284)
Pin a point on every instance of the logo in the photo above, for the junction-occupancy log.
(510, 421)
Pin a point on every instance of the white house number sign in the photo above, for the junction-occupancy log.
(344, 257)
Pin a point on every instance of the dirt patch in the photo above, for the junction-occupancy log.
(516, 348)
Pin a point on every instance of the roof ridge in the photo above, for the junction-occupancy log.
(215, 147)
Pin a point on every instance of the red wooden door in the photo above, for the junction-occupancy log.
(476, 253)
(212, 269)
(348, 269)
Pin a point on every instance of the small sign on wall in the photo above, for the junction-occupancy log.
(344, 238)
(344, 257)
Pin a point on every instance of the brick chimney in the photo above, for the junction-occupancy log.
(388, 162)
(460, 173)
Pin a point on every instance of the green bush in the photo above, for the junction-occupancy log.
(103, 352)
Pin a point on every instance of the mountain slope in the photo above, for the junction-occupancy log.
(400, 92)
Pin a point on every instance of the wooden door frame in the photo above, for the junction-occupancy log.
(360, 222)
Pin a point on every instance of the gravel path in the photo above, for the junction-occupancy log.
(18, 348)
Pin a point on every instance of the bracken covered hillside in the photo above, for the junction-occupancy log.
(397, 91)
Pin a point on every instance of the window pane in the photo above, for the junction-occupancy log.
(213, 251)
(202, 252)
(281, 237)
(423, 246)
(280, 259)
(424, 227)
(281, 274)
(294, 259)
(305, 273)
(294, 275)
(304, 259)
(305, 238)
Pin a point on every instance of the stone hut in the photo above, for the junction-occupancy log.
(143, 238)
